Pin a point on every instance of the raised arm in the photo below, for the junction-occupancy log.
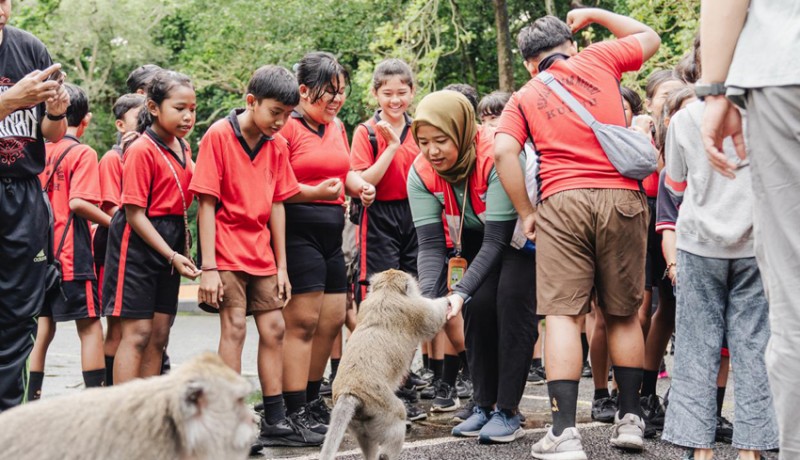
(619, 25)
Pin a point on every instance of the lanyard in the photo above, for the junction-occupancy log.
(186, 236)
(461, 220)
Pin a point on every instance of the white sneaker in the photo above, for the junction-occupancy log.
(565, 447)
(628, 432)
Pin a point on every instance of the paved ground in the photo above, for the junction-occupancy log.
(193, 334)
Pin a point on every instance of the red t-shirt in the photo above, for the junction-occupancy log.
(245, 184)
(393, 184)
(111, 177)
(147, 180)
(570, 155)
(317, 155)
(76, 177)
(650, 185)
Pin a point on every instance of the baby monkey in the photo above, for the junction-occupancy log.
(392, 321)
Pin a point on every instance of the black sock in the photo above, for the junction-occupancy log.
(563, 403)
(629, 381)
(536, 362)
(334, 367)
(649, 381)
(274, 411)
(312, 390)
(35, 385)
(720, 399)
(294, 400)
(585, 346)
(450, 372)
(436, 367)
(109, 371)
(407, 385)
(426, 362)
(464, 363)
(600, 393)
(95, 378)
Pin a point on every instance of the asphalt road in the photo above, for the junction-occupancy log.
(430, 439)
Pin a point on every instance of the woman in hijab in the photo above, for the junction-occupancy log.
(471, 258)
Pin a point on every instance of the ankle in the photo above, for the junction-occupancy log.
(703, 454)
(749, 454)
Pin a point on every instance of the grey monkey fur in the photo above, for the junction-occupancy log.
(198, 412)
(392, 321)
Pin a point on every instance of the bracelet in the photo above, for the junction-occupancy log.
(172, 257)
(52, 117)
(209, 269)
(666, 271)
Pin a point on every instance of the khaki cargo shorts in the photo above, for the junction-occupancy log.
(255, 294)
(591, 238)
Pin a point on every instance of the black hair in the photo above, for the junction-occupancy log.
(126, 103)
(78, 105)
(141, 76)
(493, 103)
(675, 99)
(633, 99)
(468, 91)
(274, 82)
(389, 68)
(544, 34)
(656, 79)
(159, 89)
(319, 71)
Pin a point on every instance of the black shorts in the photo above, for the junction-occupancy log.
(24, 223)
(315, 261)
(99, 245)
(138, 281)
(387, 239)
(78, 300)
(654, 261)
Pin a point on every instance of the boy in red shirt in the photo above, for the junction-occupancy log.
(126, 111)
(71, 181)
(591, 222)
(242, 177)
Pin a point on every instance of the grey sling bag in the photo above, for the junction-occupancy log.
(629, 151)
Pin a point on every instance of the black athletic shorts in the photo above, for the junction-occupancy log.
(78, 300)
(387, 239)
(24, 248)
(314, 257)
(138, 281)
(654, 262)
(99, 245)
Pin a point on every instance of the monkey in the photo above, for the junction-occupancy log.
(391, 322)
(198, 412)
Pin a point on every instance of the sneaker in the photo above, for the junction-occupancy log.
(688, 455)
(426, 374)
(287, 433)
(502, 428)
(471, 426)
(537, 376)
(465, 412)
(417, 382)
(724, 431)
(446, 399)
(305, 420)
(320, 411)
(662, 371)
(464, 386)
(587, 370)
(628, 432)
(653, 411)
(407, 394)
(326, 389)
(413, 412)
(604, 410)
(430, 392)
(565, 447)
(522, 418)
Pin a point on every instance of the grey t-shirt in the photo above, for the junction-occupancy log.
(767, 52)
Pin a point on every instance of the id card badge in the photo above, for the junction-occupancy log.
(456, 267)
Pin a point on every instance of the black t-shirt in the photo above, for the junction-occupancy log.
(22, 151)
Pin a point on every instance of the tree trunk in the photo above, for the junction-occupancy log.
(504, 62)
(550, 7)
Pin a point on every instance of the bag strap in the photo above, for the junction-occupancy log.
(64, 235)
(373, 139)
(548, 79)
(57, 164)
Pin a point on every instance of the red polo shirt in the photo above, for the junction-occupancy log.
(569, 154)
(245, 183)
(111, 177)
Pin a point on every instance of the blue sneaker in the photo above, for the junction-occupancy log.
(502, 428)
(472, 426)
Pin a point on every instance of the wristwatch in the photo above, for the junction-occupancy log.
(52, 117)
(702, 90)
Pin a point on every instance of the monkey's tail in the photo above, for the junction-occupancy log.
(343, 412)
